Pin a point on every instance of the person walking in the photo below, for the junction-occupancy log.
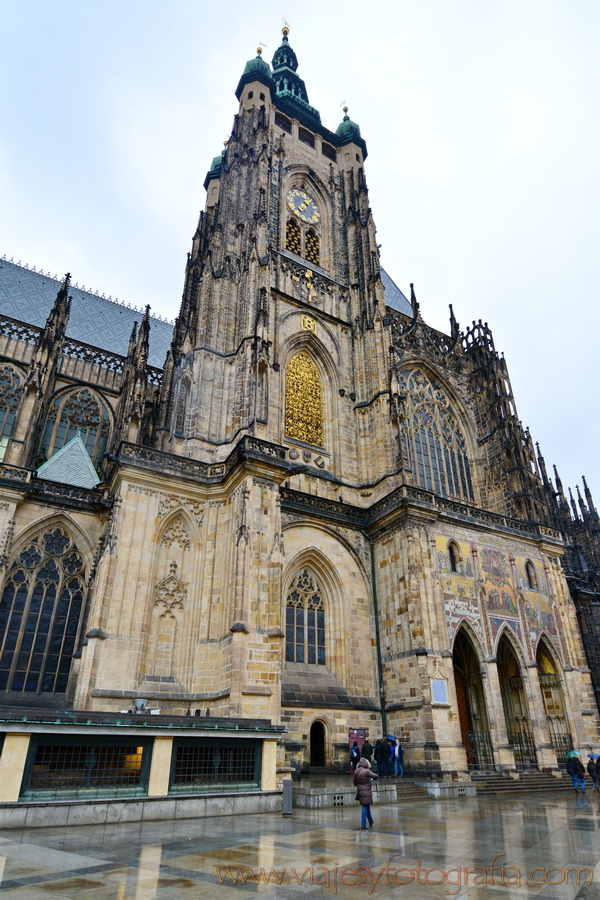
(575, 769)
(366, 750)
(354, 756)
(592, 770)
(398, 750)
(364, 794)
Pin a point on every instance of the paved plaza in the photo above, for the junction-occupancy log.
(544, 838)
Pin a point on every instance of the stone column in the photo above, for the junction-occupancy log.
(537, 717)
(12, 765)
(160, 768)
(268, 774)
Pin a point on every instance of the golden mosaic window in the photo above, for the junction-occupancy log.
(304, 418)
(312, 247)
(292, 237)
(305, 621)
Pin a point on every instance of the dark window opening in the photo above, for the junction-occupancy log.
(312, 247)
(262, 96)
(329, 152)
(250, 95)
(292, 237)
(306, 137)
(283, 122)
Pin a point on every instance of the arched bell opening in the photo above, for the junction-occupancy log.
(317, 745)
(472, 710)
(514, 702)
(554, 703)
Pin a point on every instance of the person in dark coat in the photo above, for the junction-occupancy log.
(377, 754)
(577, 772)
(385, 757)
(354, 756)
(362, 780)
(366, 750)
(592, 770)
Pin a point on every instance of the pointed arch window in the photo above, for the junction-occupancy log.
(11, 388)
(434, 446)
(75, 411)
(293, 241)
(305, 621)
(40, 612)
(312, 247)
(304, 401)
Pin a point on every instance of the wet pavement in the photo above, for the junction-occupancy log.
(418, 849)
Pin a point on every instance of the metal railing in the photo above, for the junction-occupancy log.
(480, 750)
(560, 737)
(523, 746)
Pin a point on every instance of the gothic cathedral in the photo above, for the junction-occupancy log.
(317, 510)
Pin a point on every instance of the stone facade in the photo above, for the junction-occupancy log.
(321, 512)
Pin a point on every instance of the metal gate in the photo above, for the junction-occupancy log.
(560, 737)
(524, 749)
(481, 752)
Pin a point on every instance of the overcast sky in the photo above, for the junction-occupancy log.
(482, 122)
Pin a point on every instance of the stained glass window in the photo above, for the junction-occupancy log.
(11, 386)
(304, 400)
(433, 443)
(79, 411)
(305, 621)
(40, 612)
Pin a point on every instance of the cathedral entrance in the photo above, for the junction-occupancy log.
(317, 745)
(554, 705)
(514, 702)
(472, 713)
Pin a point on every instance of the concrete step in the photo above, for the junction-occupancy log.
(530, 782)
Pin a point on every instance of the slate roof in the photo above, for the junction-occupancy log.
(28, 296)
(70, 465)
(394, 296)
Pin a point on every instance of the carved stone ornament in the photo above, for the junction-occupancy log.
(176, 534)
(170, 593)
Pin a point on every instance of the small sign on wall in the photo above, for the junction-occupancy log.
(439, 690)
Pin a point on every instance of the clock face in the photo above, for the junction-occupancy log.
(303, 205)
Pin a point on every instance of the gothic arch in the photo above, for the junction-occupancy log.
(42, 607)
(466, 626)
(79, 409)
(436, 436)
(12, 380)
(60, 520)
(302, 178)
(335, 600)
(514, 641)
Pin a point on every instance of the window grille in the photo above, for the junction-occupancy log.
(305, 621)
(76, 768)
(292, 237)
(182, 400)
(434, 445)
(215, 766)
(78, 411)
(282, 122)
(40, 612)
(306, 137)
(329, 152)
(11, 388)
(304, 418)
(312, 247)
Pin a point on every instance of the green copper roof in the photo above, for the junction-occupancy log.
(347, 129)
(287, 83)
(70, 465)
(258, 65)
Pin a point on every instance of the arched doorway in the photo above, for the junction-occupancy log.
(472, 712)
(317, 745)
(554, 704)
(514, 702)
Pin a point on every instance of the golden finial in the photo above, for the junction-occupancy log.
(225, 143)
(346, 110)
(259, 50)
(286, 28)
